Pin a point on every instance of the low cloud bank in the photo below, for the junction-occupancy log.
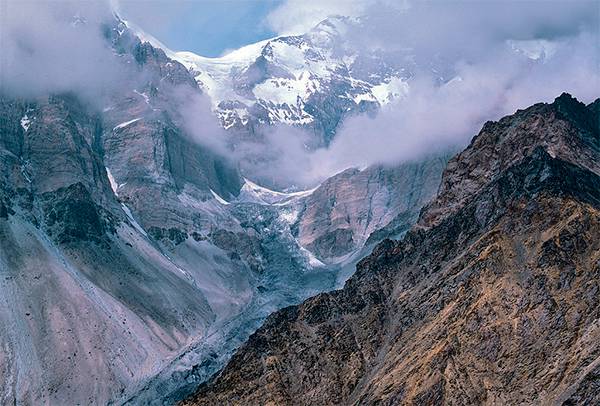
(56, 47)
(473, 62)
(497, 58)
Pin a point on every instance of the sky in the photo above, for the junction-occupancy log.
(205, 27)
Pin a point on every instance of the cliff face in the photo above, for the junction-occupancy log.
(133, 261)
(501, 144)
(355, 207)
(88, 304)
(492, 298)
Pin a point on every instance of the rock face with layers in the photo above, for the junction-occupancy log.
(356, 207)
(134, 261)
(492, 298)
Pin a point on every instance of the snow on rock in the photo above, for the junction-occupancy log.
(289, 216)
(214, 75)
(133, 221)
(286, 79)
(143, 95)
(393, 89)
(312, 260)
(25, 122)
(113, 184)
(253, 193)
(126, 123)
(218, 198)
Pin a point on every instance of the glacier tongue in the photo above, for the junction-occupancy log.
(295, 257)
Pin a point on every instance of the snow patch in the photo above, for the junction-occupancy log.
(288, 91)
(25, 122)
(214, 75)
(126, 123)
(368, 97)
(289, 216)
(395, 88)
(144, 95)
(113, 184)
(135, 223)
(312, 260)
(25, 174)
(218, 198)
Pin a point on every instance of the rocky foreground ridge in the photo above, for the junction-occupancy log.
(492, 298)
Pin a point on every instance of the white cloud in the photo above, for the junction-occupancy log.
(53, 47)
(475, 41)
(299, 16)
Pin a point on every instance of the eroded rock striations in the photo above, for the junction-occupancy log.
(491, 299)
(134, 261)
(355, 207)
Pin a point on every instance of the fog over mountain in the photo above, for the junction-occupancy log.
(157, 205)
(42, 41)
(496, 57)
(467, 62)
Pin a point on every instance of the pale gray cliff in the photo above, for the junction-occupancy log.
(134, 261)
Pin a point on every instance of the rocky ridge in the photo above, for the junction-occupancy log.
(130, 251)
(491, 298)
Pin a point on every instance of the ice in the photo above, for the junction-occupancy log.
(126, 123)
(219, 198)
(25, 122)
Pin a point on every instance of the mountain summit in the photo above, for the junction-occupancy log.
(313, 80)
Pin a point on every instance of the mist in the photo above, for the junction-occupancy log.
(490, 58)
(51, 47)
(497, 58)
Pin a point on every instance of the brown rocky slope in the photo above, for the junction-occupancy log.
(493, 298)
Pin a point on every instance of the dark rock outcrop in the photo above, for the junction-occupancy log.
(491, 299)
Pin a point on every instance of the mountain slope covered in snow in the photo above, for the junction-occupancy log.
(312, 80)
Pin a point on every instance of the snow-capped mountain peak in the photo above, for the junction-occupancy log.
(310, 80)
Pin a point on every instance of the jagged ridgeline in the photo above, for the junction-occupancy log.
(134, 261)
(142, 241)
(492, 298)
